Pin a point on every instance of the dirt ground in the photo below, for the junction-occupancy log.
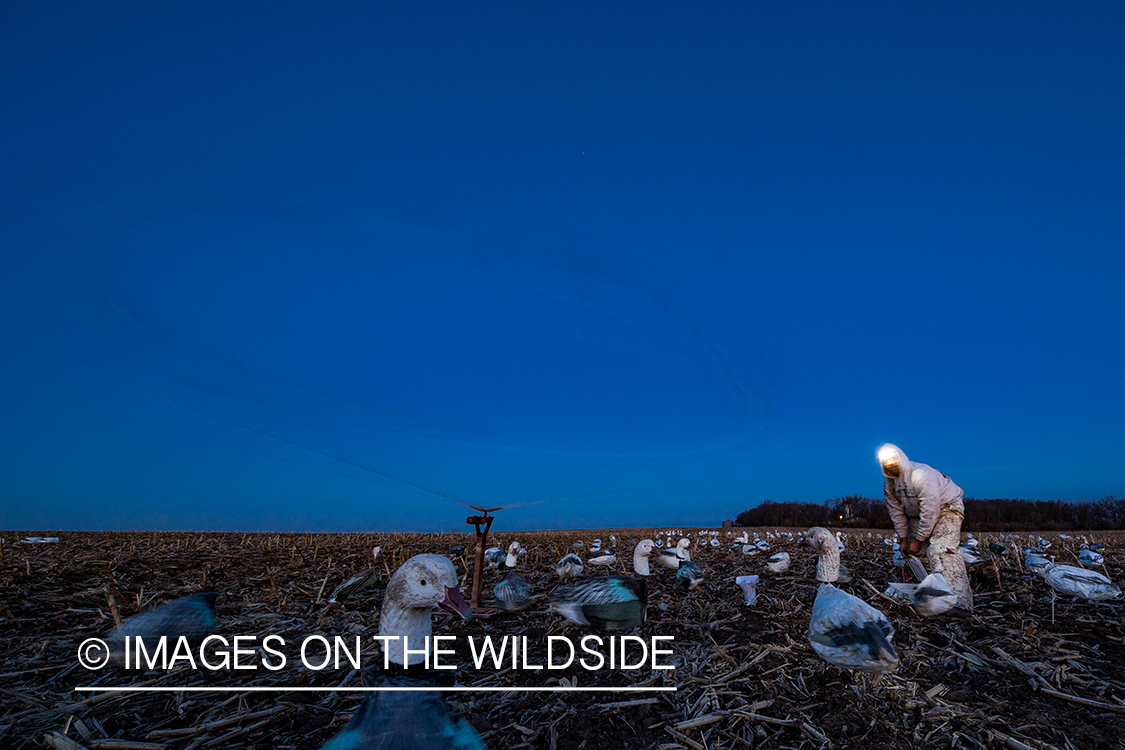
(1026, 670)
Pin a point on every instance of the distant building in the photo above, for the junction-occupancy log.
(727, 524)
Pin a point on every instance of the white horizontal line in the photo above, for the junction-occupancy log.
(400, 689)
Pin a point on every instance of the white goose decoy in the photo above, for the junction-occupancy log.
(828, 554)
(601, 560)
(844, 629)
(596, 545)
(778, 563)
(641, 554)
(420, 585)
(569, 566)
(682, 551)
(1079, 582)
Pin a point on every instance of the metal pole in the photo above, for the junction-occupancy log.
(482, 539)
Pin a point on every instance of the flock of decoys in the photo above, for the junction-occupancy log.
(843, 629)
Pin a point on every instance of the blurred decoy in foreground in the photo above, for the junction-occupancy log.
(689, 576)
(849, 632)
(513, 593)
(609, 603)
(569, 566)
(192, 617)
(360, 581)
(394, 720)
(421, 584)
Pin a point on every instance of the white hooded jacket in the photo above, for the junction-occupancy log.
(921, 492)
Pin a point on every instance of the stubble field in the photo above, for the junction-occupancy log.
(1026, 670)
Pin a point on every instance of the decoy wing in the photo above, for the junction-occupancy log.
(404, 720)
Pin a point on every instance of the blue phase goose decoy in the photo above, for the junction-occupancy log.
(394, 720)
(569, 566)
(191, 616)
(609, 603)
(513, 593)
(689, 576)
(498, 559)
(360, 581)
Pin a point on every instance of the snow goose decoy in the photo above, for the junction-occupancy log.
(828, 566)
(410, 719)
(641, 554)
(1079, 582)
(513, 593)
(495, 557)
(778, 563)
(1087, 558)
(192, 617)
(569, 566)
(933, 596)
(602, 560)
(849, 632)
(360, 581)
(421, 584)
(609, 603)
(689, 576)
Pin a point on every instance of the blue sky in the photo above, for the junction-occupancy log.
(308, 268)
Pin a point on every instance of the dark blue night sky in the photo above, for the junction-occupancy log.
(298, 267)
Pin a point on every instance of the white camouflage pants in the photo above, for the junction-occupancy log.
(944, 556)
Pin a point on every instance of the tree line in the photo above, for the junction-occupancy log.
(995, 514)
